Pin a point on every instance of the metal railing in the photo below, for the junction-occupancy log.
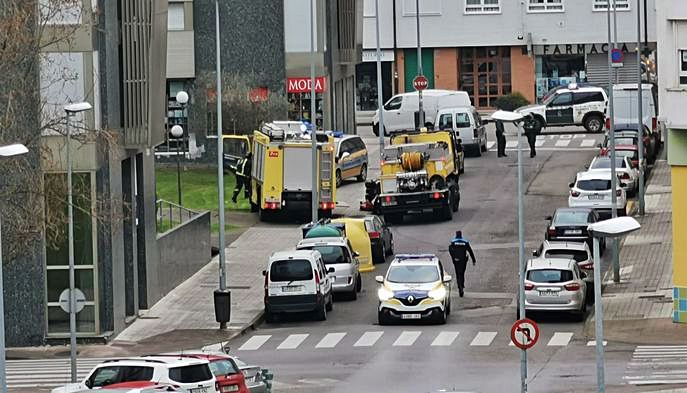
(169, 215)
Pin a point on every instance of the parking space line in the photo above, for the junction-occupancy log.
(255, 342)
(560, 339)
(562, 142)
(293, 341)
(330, 340)
(587, 143)
(483, 339)
(406, 339)
(444, 339)
(368, 339)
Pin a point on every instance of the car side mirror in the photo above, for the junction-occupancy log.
(583, 275)
(448, 278)
(345, 155)
(379, 279)
(264, 272)
(331, 270)
(571, 185)
(599, 145)
(88, 384)
(356, 254)
(535, 253)
(549, 218)
(586, 167)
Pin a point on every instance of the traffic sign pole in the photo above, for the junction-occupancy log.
(421, 112)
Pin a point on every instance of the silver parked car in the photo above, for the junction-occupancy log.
(341, 262)
(555, 284)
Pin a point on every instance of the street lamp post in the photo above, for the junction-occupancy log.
(421, 112)
(640, 116)
(71, 110)
(177, 132)
(313, 114)
(5, 151)
(380, 96)
(613, 228)
(614, 178)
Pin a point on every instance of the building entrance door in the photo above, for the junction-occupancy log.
(485, 74)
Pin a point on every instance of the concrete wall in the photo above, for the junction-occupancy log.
(183, 251)
(445, 24)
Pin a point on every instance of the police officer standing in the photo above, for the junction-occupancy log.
(531, 133)
(500, 139)
(459, 249)
(243, 170)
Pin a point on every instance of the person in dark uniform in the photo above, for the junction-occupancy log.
(531, 134)
(459, 249)
(500, 139)
(243, 170)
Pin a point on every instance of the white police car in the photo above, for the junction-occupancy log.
(566, 106)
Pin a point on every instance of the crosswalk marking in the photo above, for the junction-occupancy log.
(445, 339)
(562, 143)
(578, 136)
(560, 339)
(293, 341)
(254, 343)
(566, 136)
(490, 144)
(483, 339)
(330, 340)
(657, 365)
(587, 143)
(406, 339)
(511, 144)
(368, 339)
(539, 143)
(592, 343)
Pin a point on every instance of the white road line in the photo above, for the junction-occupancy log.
(566, 136)
(560, 339)
(587, 143)
(490, 144)
(330, 340)
(540, 136)
(658, 382)
(578, 136)
(539, 142)
(255, 342)
(661, 356)
(483, 339)
(640, 347)
(406, 339)
(293, 341)
(511, 144)
(562, 143)
(444, 339)
(368, 339)
(593, 343)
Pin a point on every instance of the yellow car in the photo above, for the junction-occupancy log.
(351, 158)
(356, 233)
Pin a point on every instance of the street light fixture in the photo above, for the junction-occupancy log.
(71, 110)
(5, 151)
(517, 119)
(177, 132)
(613, 228)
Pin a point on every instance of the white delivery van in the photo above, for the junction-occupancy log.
(467, 124)
(625, 105)
(399, 111)
(297, 281)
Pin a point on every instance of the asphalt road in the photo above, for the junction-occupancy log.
(471, 353)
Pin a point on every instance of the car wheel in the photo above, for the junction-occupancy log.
(354, 293)
(270, 317)
(580, 315)
(446, 212)
(442, 317)
(382, 319)
(339, 180)
(322, 312)
(478, 151)
(484, 146)
(593, 123)
(359, 284)
(378, 254)
(390, 250)
(330, 304)
(363, 173)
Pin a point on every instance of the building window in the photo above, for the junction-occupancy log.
(545, 6)
(57, 251)
(175, 16)
(683, 67)
(485, 74)
(620, 5)
(482, 6)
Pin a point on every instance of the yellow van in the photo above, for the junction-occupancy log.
(356, 233)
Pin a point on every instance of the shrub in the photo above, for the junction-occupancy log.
(511, 101)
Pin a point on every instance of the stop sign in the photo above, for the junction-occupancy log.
(420, 82)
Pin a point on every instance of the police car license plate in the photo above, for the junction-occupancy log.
(410, 316)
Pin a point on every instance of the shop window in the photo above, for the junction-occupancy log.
(545, 6)
(683, 67)
(482, 6)
(620, 5)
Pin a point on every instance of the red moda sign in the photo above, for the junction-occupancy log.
(304, 85)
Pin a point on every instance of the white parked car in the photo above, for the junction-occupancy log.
(467, 124)
(592, 189)
(193, 375)
(629, 176)
(555, 284)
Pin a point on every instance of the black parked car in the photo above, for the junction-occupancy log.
(570, 224)
(381, 238)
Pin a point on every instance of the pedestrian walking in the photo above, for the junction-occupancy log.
(500, 139)
(531, 134)
(243, 173)
(459, 250)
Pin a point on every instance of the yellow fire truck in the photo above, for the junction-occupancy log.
(281, 174)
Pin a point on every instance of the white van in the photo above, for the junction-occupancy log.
(399, 111)
(467, 124)
(625, 105)
(297, 281)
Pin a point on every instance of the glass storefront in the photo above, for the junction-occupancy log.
(485, 74)
(366, 89)
(299, 107)
(558, 70)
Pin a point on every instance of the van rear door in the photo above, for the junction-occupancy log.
(291, 277)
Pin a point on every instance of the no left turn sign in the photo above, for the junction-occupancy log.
(524, 333)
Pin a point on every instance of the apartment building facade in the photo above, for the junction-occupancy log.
(490, 48)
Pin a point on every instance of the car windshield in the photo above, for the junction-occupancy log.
(577, 255)
(549, 276)
(222, 367)
(291, 270)
(117, 374)
(594, 185)
(605, 163)
(190, 374)
(332, 254)
(413, 274)
(568, 217)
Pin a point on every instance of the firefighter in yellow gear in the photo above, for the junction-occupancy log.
(243, 173)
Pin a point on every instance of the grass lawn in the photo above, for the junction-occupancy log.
(199, 191)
